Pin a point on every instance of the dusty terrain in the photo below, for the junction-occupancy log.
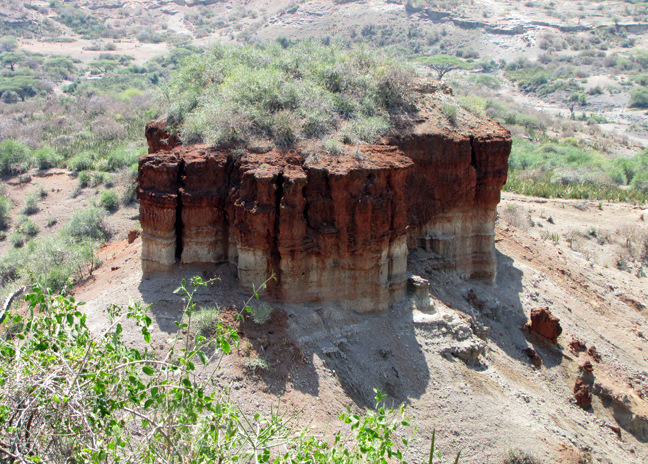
(486, 30)
(323, 358)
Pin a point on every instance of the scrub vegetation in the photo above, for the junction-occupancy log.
(305, 91)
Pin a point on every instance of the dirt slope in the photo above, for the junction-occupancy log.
(323, 358)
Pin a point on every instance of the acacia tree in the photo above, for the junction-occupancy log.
(443, 64)
(573, 101)
(11, 59)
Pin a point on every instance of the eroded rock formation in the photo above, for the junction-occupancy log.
(542, 322)
(331, 227)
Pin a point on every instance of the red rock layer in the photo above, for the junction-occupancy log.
(454, 191)
(158, 138)
(335, 228)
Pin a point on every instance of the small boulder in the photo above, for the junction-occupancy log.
(582, 395)
(577, 346)
(544, 323)
(535, 358)
(587, 367)
(596, 356)
(133, 235)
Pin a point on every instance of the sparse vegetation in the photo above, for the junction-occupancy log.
(516, 456)
(133, 391)
(109, 200)
(450, 112)
(565, 170)
(301, 92)
(260, 312)
(5, 208)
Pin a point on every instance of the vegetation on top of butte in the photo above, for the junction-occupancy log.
(289, 94)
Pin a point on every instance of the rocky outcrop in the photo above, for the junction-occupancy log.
(544, 323)
(582, 395)
(330, 227)
(158, 138)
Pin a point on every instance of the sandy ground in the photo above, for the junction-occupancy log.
(62, 200)
(324, 358)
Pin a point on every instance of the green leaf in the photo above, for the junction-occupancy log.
(225, 346)
(148, 370)
(203, 358)
(147, 335)
(148, 403)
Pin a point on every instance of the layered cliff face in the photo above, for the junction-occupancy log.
(330, 227)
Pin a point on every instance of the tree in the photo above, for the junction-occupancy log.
(443, 64)
(24, 86)
(8, 44)
(11, 59)
(575, 100)
(104, 66)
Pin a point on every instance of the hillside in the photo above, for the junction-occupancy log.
(501, 401)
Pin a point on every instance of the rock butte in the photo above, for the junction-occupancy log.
(335, 228)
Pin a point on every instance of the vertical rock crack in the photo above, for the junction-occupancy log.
(275, 255)
(178, 224)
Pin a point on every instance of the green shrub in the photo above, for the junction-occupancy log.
(105, 178)
(5, 208)
(109, 200)
(15, 157)
(207, 321)
(29, 228)
(639, 98)
(450, 112)
(81, 161)
(486, 80)
(46, 158)
(31, 204)
(515, 456)
(333, 146)
(88, 223)
(54, 261)
(260, 312)
(84, 179)
(122, 157)
(108, 380)
(16, 239)
(128, 196)
(369, 129)
(304, 91)
(476, 105)
(640, 182)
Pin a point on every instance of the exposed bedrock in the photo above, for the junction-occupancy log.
(331, 227)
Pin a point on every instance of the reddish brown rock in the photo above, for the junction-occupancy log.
(582, 395)
(535, 358)
(544, 323)
(158, 138)
(336, 228)
(330, 229)
(133, 235)
(587, 367)
(577, 346)
(596, 356)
